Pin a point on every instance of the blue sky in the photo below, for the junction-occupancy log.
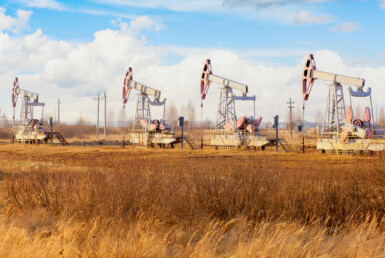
(217, 25)
(260, 34)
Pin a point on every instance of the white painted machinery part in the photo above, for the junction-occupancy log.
(228, 83)
(29, 94)
(144, 89)
(346, 80)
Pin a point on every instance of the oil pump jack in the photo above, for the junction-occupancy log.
(340, 131)
(30, 130)
(231, 131)
(147, 132)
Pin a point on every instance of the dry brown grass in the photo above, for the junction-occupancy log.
(6, 133)
(135, 202)
(86, 132)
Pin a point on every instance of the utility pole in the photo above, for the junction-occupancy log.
(303, 127)
(97, 118)
(105, 115)
(58, 111)
(291, 106)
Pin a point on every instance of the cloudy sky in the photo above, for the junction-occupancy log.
(74, 50)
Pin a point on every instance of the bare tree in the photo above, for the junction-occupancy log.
(318, 117)
(172, 114)
(81, 121)
(190, 114)
(80, 126)
(381, 115)
(131, 122)
(288, 122)
(122, 118)
(46, 117)
(207, 124)
(298, 113)
(5, 122)
(110, 119)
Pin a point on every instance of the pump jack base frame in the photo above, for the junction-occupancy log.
(26, 134)
(139, 138)
(237, 139)
(351, 146)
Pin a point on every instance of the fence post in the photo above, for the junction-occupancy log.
(181, 124)
(276, 124)
(51, 124)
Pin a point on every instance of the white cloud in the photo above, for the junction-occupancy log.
(281, 11)
(143, 22)
(347, 27)
(175, 5)
(203, 5)
(105, 13)
(307, 17)
(282, 14)
(138, 24)
(264, 3)
(75, 73)
(50, 4)
(17, 24)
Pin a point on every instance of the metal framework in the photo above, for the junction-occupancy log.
(147, 132)
(143, 110)
(30, 130)
(29, 101)
(231, 131)
(335, 110)
(226, 107)
(340, 132)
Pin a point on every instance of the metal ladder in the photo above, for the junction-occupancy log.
(191, 143)
(61, 139)
(285, 145)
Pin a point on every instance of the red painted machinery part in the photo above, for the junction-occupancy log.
(241, 122)
(367, 116)
(344, 136)
(368, 133)
(307, 80)
(258, 121)
(126, 89)
(349, 115)
(228, 126)
(250, 128)
(358, 122)
(205, 83)
(14, 92)
(152, 127)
